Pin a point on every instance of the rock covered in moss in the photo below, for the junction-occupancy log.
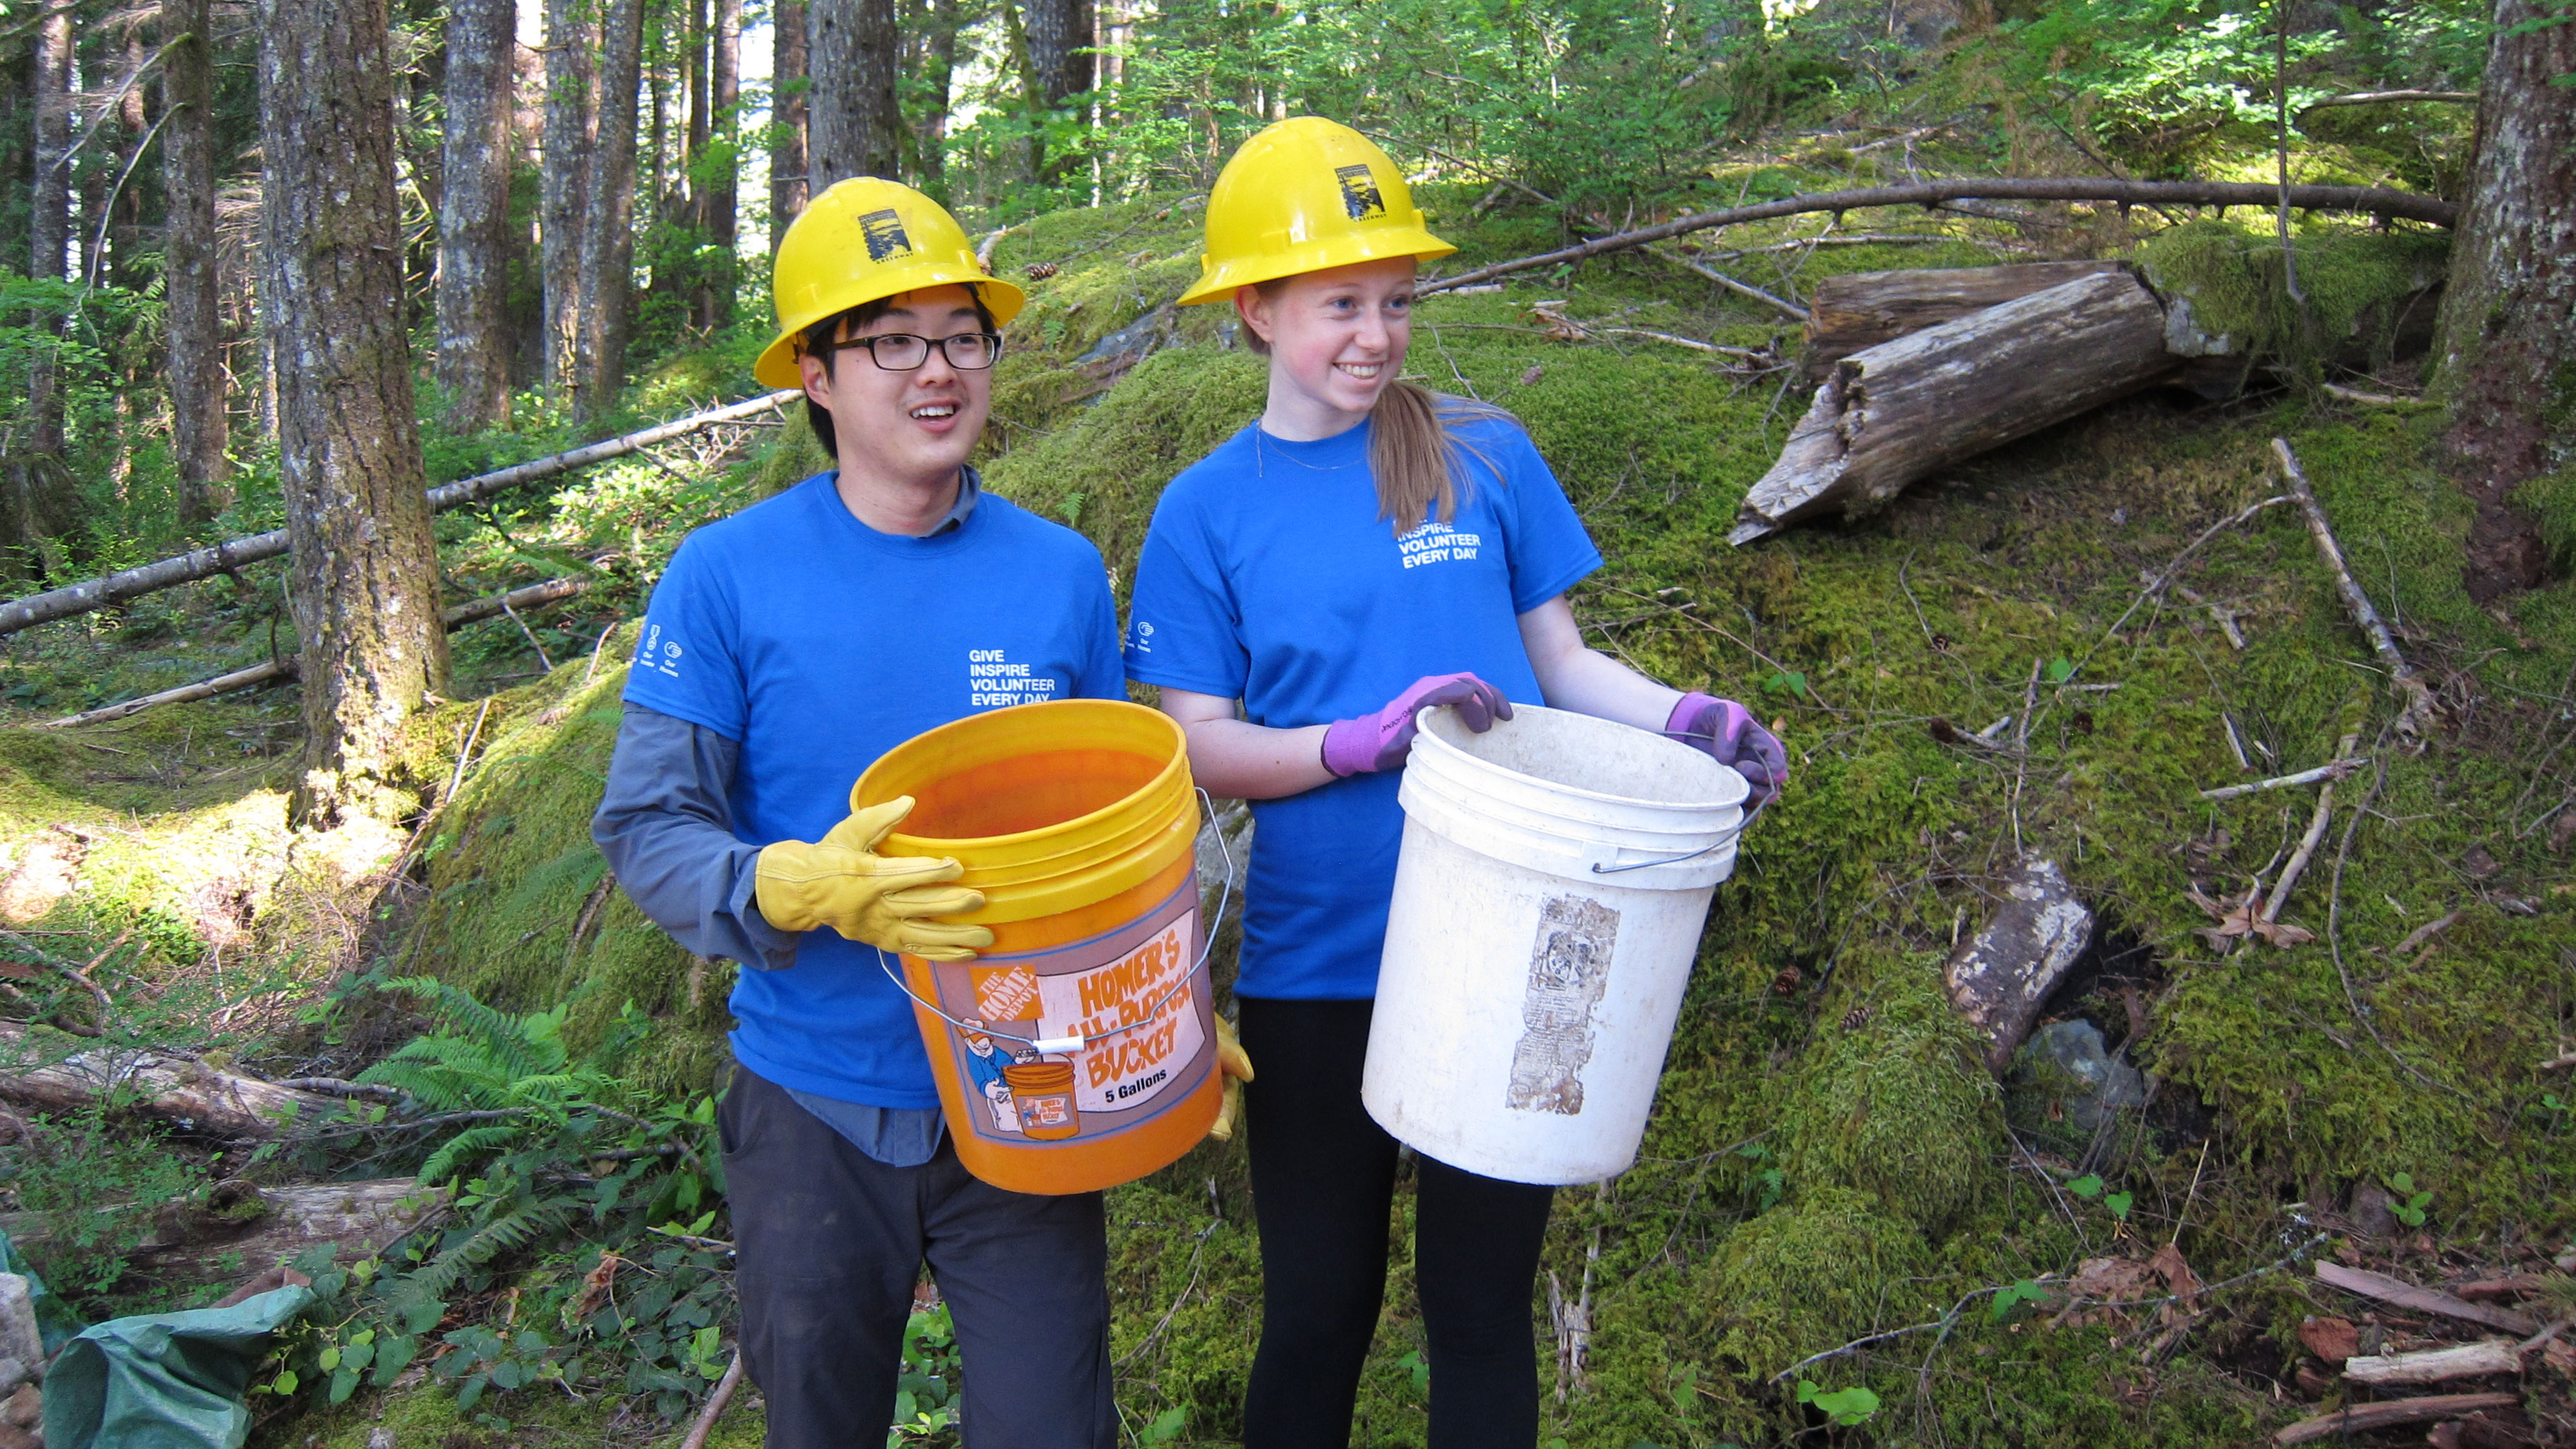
(1893, 1100)
(1806, 1275)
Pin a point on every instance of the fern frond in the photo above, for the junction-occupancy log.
(463, 1147)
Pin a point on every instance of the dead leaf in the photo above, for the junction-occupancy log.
(2560, 1355)
(2562, 832)
(2331, 1339)
(2183, 1283)
(1530, 378)
(2234, 918)
(2282, 933)
(594, 1287)
(2481, 863)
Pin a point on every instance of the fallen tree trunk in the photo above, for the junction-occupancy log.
(2434, 1366)
(2411, 205)
(1894, 413)
(243, 1230)
(1860, 310)
(192, 1095)
(283, 669)
(205, 563)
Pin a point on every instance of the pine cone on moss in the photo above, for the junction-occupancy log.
(1040, 271)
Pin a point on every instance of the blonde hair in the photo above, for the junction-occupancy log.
(1420, 462)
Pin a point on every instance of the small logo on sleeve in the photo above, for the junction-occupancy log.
(1141, 638)
(1359, 192)
(993, 681)
(658, 653)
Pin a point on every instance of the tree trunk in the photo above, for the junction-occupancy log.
(786, 117)
(1059, 35)
(2505, 350)
(724, 192)
(856, 125)
(939, 65)
(1863, 309)
(198, 427)
(608, 222)
(49, 222)
(365, 566)
(571, 128)
(473, 235)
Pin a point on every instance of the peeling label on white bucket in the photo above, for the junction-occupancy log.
(1569, 970)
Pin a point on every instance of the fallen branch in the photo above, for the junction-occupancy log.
(1742, 289)
(1858, 310)
(222, 558)
(170, 1088)
(2434, 1366)
(283, 669)
(2333, 771)
(2308, 842)
(2425, 932)
(2382, 98)
(2422, 1300)
(2373, 399)
(2411, 205)
(241, 1229)
(2361, 1418)
(2416, 715)
(716, 1403)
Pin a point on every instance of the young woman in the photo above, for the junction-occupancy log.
(1365, 549)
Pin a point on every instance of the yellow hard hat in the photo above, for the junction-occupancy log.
(1304, 195)
(862, 240)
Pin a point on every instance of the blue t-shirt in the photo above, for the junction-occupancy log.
(1270, 576)
(819, 643)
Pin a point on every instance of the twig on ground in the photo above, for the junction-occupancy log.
(2416, 715)
(2333, 770)
(530, 634)
(2173, 568)
(2423, 1300)
(1747, 353)
(602, 643)
(2334, 939)
(2021, 751)
(81, 973)
(2225, 617)
(1196, 1247)
(1742, 288)
(343, 1087)
(2361, 1418)
(716, 1404)
(2236, 743)
(2372, 399)
(2308, 842)
(2424, 933)
(465, 752)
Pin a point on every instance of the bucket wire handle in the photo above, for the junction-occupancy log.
(1600, 869)
(1044, 1045)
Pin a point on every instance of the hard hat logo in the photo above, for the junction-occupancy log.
(1306, 195)
(885, 235)
(1359, 192)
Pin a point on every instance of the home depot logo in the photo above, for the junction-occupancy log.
(1359, 192)
(885, 235)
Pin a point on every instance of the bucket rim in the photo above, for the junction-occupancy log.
(1447, 751)
(1175, 767)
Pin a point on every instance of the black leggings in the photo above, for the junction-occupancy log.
(1323, 1180)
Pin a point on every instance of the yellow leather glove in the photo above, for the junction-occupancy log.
(886, 901)
(1236, 1065)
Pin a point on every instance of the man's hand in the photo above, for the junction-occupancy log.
(1236, 1067)
(885, 901)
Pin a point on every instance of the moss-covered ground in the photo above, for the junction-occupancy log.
(1828, 1160)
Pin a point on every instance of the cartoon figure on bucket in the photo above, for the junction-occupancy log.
(984, 1067)
(1367, 548)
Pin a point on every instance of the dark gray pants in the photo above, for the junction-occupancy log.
(828, 1245)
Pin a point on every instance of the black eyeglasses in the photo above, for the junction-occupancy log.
(903, 352)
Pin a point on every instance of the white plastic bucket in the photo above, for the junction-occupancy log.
(1555, 874)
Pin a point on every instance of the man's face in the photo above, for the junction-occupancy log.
(912, 426)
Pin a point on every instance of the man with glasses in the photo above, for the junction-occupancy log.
(785, 649)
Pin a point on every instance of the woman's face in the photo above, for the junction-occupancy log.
(1337, 337)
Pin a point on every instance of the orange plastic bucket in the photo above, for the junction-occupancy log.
(1078, 1051)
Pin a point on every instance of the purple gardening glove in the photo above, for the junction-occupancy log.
(1731, 736)
(1380, 741)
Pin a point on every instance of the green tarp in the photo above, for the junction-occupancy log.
(55, 1321)
(164, 1380)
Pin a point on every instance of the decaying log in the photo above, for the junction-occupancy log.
(2362, 1418)
(245, 1230)
(2438, 1365)
(205, 563)
(2000, 977)
(282, 669)
(2412, 205)
(191, 1094)
(1894, 413)
(2423, 1300)
(1863, 309)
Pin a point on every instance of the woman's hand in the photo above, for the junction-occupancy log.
(1383, 740)
(1732, 737)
